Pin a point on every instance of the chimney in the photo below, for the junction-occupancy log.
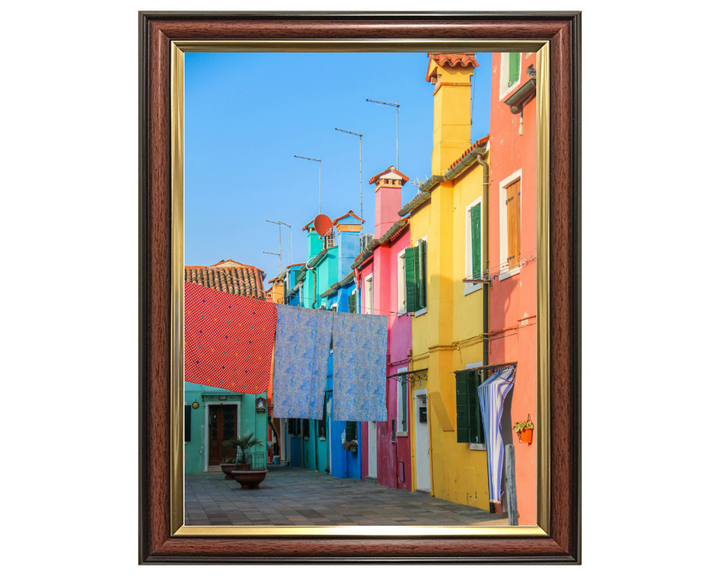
(314, 240)
(388, 188)
(450, 74)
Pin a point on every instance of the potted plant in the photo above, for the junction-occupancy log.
(227, 467)
(524, 430)
(351, 446)
(242, 445)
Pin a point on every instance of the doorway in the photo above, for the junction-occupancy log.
(422, 443)
(372, 450)
(222, 426)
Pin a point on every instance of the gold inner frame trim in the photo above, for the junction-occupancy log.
(177, 472)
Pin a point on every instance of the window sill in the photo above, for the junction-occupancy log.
(401, 312)
(401, 434)
(512, 272)
(478, 447)
(421, 312)
(470, 288)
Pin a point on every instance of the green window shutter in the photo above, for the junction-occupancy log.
(188, 420)
(350, 431)
(476, 435)
(475, 229)
(411, 296)
(422, 273)
(461, 388)
(514, 68)
(352, 303)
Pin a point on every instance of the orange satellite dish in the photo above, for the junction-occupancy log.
(323, 224)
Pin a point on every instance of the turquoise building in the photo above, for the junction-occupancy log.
(213, 415)
(326, 281)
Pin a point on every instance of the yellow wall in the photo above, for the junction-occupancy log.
(449, 336)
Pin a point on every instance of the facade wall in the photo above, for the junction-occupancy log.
(248, 421)
(513, 299)
(447, 337)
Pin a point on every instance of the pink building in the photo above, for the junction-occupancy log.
(381, 290)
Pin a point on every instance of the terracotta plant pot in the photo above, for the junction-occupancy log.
(249, 479)
(242, 466)
(526, 435)
(227, 470)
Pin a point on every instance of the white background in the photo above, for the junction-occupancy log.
(69, 304)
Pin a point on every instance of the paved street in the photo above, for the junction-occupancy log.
(297, 497)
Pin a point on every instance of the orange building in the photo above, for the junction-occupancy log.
(512, 306)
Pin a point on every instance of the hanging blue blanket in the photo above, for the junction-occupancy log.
(492, 395)
(302, 348)
(359, 367)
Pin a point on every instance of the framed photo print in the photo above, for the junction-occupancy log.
(360, 287)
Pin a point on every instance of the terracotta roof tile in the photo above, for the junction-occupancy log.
(390, 169)
(350, 213)
(451, 59)
(478, 143)
(242, 280)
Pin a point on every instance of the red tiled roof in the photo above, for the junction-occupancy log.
(480, 142)
(242, 280)
(311, 223)
(391, 168)
(451, 59)
(350, 213)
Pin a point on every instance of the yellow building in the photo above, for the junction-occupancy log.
(449, 234)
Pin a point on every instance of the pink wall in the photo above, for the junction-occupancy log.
(392, 456)
(513, 301)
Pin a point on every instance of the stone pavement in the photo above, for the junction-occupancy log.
(297, 497)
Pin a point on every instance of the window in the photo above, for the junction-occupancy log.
(469, 422)
(188, 420)
(473, 244)
(350, 431)
(352, 302)
(321, 425)
(510, 224)
(306, 428)
(402, 296)
(368, 295)
(334, 307)
(509, 72)
(402, 395)
(292, 427)
(416, 276)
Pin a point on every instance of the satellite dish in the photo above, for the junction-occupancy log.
(323, 224)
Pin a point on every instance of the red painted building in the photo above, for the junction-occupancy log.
(381, 290)
(512, 330)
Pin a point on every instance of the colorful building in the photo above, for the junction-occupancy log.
(381, 270)
(213, 415)
(326, 281)
(512, 307)
(448, 249)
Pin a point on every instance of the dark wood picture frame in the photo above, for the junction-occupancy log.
(157, 30)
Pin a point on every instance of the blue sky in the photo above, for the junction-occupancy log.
(247, 115)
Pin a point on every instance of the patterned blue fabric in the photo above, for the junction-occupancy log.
(492, 395)
(302, 348)
(359, 358)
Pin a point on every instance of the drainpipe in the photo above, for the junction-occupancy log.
(486, 245)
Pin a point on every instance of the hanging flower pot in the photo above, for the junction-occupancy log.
(524, 430)
(526, 435)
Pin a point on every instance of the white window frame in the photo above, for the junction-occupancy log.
(334, 307)
(357, 301)
(504, 271)
(423, 310)
(470, 288)
(505, 73)
(404, 433)
(473, 446)
(368, 295)
(401, 284)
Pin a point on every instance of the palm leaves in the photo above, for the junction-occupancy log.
(243, 443)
